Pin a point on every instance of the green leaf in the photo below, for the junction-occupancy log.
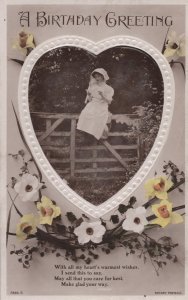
(25, 143)
(20, 62)
(114, 219)
(122, 208)
(85, 217)
(13, 181)
(61, 229)
(165, 240)
(21, 152)
(132, 201)
(175, 259)
(79, 221)
(111, 245)
(71, 217)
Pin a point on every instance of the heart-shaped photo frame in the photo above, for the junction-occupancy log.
(85, 148)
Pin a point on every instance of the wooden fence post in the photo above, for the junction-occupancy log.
(48, 139)
(72, 146)
(94, 159)
(115, 153)
(139, 150)
(51, 133)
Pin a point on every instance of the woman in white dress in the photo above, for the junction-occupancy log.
(94, 117)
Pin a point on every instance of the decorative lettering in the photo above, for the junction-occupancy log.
(24, 18)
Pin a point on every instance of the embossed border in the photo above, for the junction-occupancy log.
(96, 48)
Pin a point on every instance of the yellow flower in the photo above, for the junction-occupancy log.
(26, 226)
(25, 41)
(164, 214)
(158, 187)
(48, 211)
(175, 46)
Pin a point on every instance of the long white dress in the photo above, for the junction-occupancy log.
(94, 116)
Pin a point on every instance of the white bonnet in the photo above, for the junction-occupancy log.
(102, 72)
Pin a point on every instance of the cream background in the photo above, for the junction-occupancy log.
(172, 277)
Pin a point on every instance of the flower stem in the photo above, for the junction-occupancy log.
(164, 44)
(175, 186)
(178, 62)
(13, 204)
(152, 217)
(9, 214)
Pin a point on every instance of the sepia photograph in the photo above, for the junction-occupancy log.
(93, 149)
(96, 117)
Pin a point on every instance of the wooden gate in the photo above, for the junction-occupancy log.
(58, 136)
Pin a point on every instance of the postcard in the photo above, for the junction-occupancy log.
(95, 131)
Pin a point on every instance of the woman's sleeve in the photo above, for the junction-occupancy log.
(108, 93)
(87, 99)
(88, 89)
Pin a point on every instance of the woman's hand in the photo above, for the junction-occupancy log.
(88, 97)
(103, 97)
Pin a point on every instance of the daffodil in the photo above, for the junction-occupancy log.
(24, 42)
(48, 211)
(90, 231)
(175, 46)
(26, 226)
(164, 214)
(135, 219)
(158, 187)
(28, 187)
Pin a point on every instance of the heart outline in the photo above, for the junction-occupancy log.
(31, 139)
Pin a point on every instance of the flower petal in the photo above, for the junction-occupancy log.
(46, 220)
(17, 187)
(138, 228)
(172, 37)
(162, 222)
(161, 195)
(166, 203)
(31, 221)
(30, 43)
(140, 210)
(47, 205)
(29, 196)
(21, 187)
(181, 51)
(57, 211)
(83, 239)
(176, 218)
(45, 201)
(33, 180)
(169, 52)
(130, 213)
(168, 184)
(99, 230)
(96, 239)
(126, 225)
(80, 229)
(149, 186)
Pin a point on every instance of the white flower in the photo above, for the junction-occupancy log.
(92, 231)
(135, 219)
(175, 46)
(28, 187)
